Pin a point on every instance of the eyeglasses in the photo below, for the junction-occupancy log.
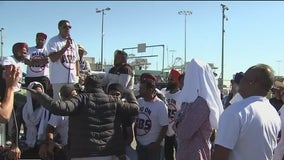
(66, 27)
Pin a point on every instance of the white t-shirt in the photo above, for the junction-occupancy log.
(164, 90)
(249, 128)
(61, 124)
(279, 151)
(64, 69)
(10, 60)
(151, 118)
(236, 98)
(172, 109)
(126, 80)
(281, 113)
(37, 71)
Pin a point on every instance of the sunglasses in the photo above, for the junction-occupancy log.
(66, 27)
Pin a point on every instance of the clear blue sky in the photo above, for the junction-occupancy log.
(253, 33)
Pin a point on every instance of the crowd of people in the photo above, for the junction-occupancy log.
(71, 114)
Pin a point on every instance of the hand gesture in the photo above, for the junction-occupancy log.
(33, 91)
(11, 75)
(14, 153)
(68, 42)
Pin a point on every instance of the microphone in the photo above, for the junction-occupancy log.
(69, 39)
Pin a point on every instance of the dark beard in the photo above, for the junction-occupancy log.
(19, 58)
(171, 86)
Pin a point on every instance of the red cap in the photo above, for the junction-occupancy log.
(175, 74)
(150, 76)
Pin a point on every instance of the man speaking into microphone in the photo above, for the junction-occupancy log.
(64, 58)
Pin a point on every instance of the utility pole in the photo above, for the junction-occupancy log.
(224, 7)
(102, 34)
(185, 13)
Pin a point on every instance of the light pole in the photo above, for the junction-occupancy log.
(102, 34)
(1, 30)
(185, 13)
(224, 7)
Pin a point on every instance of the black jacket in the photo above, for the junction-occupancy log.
(95, 127)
